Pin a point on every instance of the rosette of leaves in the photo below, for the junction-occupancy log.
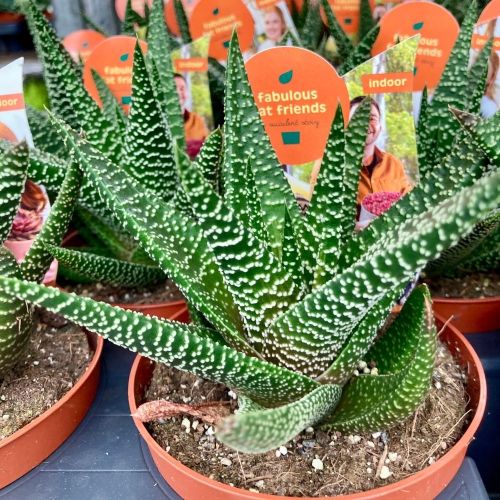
(291, 303)
(16, 315)
(142, 142)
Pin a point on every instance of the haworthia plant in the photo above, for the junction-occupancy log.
(288, 345)
(16, 316)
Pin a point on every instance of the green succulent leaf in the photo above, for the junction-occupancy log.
(311, 333)
(478, 74)
(110, 106)
(44, 136)
(312, 27)
(182, 346)
(361, 53)
(16, 318)
(260, 286)
(106, 269)
(366, 20)
(47, 169)
(38, 259)
(147, 153)
(169, 238)
(182, 21)
(344, 45)
(209, 159)
(245, 138)
(452, 91)
(68, 97)
(162, 73)
(404, 357)
(13, 167)
(261, 431)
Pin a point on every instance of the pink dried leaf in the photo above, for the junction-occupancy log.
(207, 412)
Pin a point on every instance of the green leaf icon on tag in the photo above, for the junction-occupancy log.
(418, 26)
(286, 77)
(216, 11)
(124, 57)
(126, 99)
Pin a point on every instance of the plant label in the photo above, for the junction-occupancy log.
(81, 43)
(438, 31)
(113, 60)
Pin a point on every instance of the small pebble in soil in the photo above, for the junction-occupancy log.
(3, 398)
(385, 472)
(225, 461)
(282, 450)
(210, 431)
(195, 424)
(376, 435)
(232, 395)
(6, 417)
(392, 456)
(431, 460)
(317, 464)
(370, 444)
(310, 430)
(186, 423)
(260, 484)
(374, 371)
(354, 439)
(362, 365)
(369, 470)
(437, 385)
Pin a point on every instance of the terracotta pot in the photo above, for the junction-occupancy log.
(470, 315)
(31, 445)
(427, 483)
(161, 309)
(10, 18)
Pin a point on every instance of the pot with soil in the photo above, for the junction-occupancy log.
(44, 399)
(472, 301)
(161, 299)
(400, 463)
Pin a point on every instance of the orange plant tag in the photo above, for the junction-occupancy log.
(387, 83)
(113, 59)
(196, 64)
(11, 102)
(297, 93)
(81, 43)
(218, 18)
(438, 30)
(490, 12)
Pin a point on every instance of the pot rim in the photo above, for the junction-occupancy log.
(430, 470)
(61, 402)
(465, 301)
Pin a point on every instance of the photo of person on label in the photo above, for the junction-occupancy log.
(6, 133)
(194, 125)
(381, 171)
(275, 27)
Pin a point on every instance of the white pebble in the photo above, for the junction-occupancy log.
(36, 363)
(225, 461)
(392, 456)
(317, 464)
(366, 370)
(362, 365)
(385, 472)
(2, 397)
(232, 395)
(186, 423)
(310, 430)
(437, 385)
(356, 373)
(369, 470)
(374, 371)
(195, 424)
(376, 435)
(6, 416)
(277, 453)
(253, 490)
(186, 400)
(444, 445)
(210, 431)
(354, 439)
(370, 444)
(431, 460)
(260, 483)
(283, 450)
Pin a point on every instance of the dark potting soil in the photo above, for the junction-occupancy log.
(56, 358)
(166, 291)
(473, 286)
(316, 463)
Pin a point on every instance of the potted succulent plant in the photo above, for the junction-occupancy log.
(48, 428)
(112, 258)
(463, 280)
(287, 307)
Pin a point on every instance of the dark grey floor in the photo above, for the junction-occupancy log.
(105, 458)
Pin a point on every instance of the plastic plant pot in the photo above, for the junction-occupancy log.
(425, 484)
(470, 315)
(165, 310)
(31, 445)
